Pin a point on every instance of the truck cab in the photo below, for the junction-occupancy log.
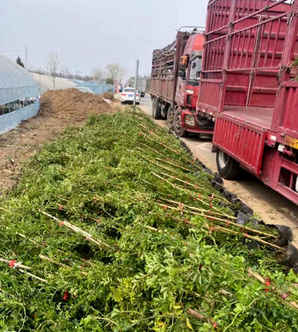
(184, 118)
(175, 82)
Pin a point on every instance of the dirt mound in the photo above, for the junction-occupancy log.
(72, 103)
(59, 109)
(109, 96)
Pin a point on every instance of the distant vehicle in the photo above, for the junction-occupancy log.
(142, 85)
(128, 95)
(84, 89)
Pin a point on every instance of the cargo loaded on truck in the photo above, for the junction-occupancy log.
(175, 82)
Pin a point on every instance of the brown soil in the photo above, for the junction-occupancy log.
(109, 95)
(59, 110)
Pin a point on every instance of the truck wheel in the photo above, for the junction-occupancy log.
(179, 130)
(170, 118)
(156, 110)
(228, 168)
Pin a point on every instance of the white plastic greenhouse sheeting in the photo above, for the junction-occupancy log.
(46, 82)
(15, 82)
(12, 120)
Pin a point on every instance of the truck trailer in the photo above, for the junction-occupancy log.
(249, 88)
(175, 81)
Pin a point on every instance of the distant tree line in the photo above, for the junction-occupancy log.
(20, 62)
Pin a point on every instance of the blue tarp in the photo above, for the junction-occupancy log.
(15, 82)
(12, 120)
(97, 88)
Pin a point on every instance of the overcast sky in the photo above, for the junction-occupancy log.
(89, 34)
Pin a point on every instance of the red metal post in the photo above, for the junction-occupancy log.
(284, 75)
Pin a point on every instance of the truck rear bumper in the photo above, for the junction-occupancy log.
(190, 124)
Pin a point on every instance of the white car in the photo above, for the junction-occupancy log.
(128, 96)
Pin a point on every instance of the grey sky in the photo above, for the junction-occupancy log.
(89, 34)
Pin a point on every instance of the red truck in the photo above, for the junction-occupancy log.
(175, 82)
(249, 86)
(248, 89)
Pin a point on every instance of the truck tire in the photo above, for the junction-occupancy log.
(179, 130)
(156, 114)
(170, 118)
(228, 168)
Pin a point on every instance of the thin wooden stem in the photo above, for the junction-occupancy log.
(196, 315)
(225, 221)
(185, 182)
(16, 265)
(178, 153)
(257, 276)
(30, 240)
(170, 183)
(48, 259)
(78, 230)
(174, 164)
(34, 276)
(198, 209)
(225, 230)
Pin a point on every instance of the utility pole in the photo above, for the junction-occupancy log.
(26, 57)
(136, 82)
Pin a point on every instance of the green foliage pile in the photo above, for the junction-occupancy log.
(146, 254)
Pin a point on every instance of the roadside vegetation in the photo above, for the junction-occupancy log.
(113, 227)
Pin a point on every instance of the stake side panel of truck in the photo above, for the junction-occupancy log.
(175, 83)
(164, 76)
(249, 86)
(220, 14)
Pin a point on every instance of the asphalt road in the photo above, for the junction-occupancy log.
(267, 204)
